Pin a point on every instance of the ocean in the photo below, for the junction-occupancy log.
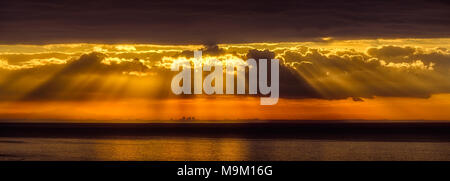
(228, 142)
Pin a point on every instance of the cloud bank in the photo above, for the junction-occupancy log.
(102, 71)
(233, 21)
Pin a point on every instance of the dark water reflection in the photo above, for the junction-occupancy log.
(194, 148)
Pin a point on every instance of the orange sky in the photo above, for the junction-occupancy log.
(397, 79)
(230, 109)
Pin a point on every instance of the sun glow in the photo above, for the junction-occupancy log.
(395, 79)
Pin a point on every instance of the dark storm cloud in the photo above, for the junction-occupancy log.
(206, 21)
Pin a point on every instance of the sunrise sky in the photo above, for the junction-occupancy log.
(383, 79)
(110, 61)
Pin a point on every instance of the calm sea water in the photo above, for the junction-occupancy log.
(216, 149)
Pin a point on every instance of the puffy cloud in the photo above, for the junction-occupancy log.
(357, 99)
(353, 74)
(208, 49)
(433, 58)
(61, 72)
(92, 75)
(390, 52)
(291, 84)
